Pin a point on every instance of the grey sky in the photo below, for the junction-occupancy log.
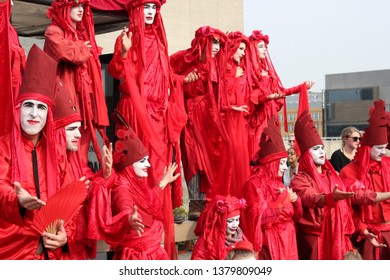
(312, 38)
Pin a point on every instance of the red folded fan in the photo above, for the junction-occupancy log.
(63, 205)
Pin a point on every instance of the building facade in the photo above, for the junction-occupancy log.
(348, 97)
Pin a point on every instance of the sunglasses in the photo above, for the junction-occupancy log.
(355, 139)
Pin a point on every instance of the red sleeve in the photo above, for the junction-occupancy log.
(298, 211)
(307, 191)
(60, 48)
(10, 210)
(293, 90)
(116, 65)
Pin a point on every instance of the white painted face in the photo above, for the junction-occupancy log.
(33, 116)
(262, 49)
(76, 13)
(215, 48)
(73, 136)
(149, 13)
(141, 167)
(282, 167)
(240, 52)
(317, 152)
(232, 224)
(377, 152)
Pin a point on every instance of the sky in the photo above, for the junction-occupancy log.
(312, 38)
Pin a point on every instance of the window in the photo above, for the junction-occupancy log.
(350, 94)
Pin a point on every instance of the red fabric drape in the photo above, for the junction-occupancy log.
(6, 95)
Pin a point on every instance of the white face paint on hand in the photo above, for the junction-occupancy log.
(377, 152)
(282, 167)
(317, 152)
(141, 167)
(73, 136)
(232, 224)
(149, 13)
(33, 116)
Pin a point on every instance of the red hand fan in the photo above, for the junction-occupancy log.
(63, 205)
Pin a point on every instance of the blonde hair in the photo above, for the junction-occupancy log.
(347, 132)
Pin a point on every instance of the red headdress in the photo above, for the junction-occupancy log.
(65, 110)
(59, 13)
(271, 142)
(128, 147)
(212, 222)
(38, 83)
(376, 132)
(65, 113)
(306, 134)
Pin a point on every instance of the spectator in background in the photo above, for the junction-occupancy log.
(292, 166)
(291, 140)
(350, 137)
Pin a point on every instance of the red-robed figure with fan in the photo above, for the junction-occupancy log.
(70, 40)
(270, 96)
(28, 173)
(272, 209)
(82, 227)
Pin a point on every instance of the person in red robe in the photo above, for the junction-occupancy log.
(368, 176)
(67, 122)
(272, 209)
(205, 143)
(132, 195)
(326, 225)
(28, 174)
(270, 95)
(218, 228)
(151, 99)
(13, 62)
(70, 40)
(234, 108)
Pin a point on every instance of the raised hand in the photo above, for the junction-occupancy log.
(135, 222)
(107, 161)
(309, 84)
(26, 200)
(168, 176)
(126, 41)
